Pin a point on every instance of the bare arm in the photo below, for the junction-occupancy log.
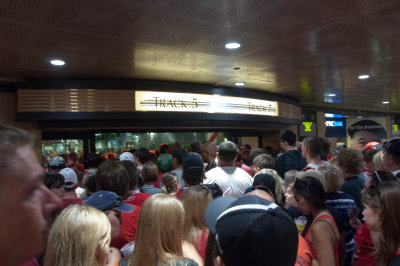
(322, 239)
(189, 251)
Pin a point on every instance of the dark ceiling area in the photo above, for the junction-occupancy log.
(310, 50)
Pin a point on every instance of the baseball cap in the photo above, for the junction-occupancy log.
(127, 156)
(252, 231)
(288, 136)
(164, 161)
(70, 177)
(368, 125)
(267, 181)
(56, 162)
(392, 146)
(107, 200)
(192, 163)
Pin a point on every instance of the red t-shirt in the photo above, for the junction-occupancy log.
(158, 182)
(137, 198)
(363, 247)
(128, 228)
(67, 202)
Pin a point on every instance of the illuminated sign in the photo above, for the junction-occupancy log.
(307, 126)
(335, 127)
(334, 124)
(395, 127)
(156, 101)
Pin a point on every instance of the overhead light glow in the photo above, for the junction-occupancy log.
(232, 45)
(240, 83)
(363, 76)
(332, 95)
(57, 62)
(385, 102)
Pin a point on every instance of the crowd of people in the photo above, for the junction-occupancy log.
(215, 204)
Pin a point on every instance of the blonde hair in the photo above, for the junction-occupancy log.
(377, 160)
(195, 200)
(332, 177)
(169, 182)
(289, 177)
(160, 230)
(80, 236)
(279, 183)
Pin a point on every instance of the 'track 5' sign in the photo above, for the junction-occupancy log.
(203, 103)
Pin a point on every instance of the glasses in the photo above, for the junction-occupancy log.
(377, 175)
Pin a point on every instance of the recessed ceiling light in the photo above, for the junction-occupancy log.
(385, 102)
(232, 45)
(363, 76)
(241, 83)
(57, 62)
(332, 95)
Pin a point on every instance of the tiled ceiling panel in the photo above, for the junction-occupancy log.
(300, 49)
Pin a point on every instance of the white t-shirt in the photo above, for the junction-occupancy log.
(232, 180)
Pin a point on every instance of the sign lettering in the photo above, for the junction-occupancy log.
(157, 101)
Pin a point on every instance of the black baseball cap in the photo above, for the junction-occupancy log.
(392, 146)
(252, 231)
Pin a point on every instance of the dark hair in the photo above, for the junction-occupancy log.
(195, 146)
(369, 155)
(53, 180)
(132, 172)
(90, 182)
(93, 160)
(179, 154)
(381, 176)
(312, 190)
(227, 151)
(163, 148)
(314, 145)
(113, 176)
(143, 155)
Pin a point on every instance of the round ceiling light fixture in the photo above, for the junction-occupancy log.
(57, 62)
(385, 102)
(363, 76)
(232, 45)
(240, 83)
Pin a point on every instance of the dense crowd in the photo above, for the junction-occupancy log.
(215, 204)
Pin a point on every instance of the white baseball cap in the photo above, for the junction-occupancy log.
(127, 156)
(70, 177)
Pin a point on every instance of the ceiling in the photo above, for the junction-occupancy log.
(301, 49)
